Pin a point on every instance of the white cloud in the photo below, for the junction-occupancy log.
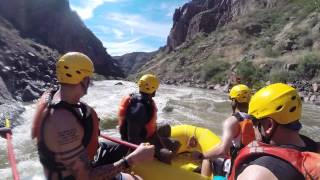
(119, 34)
(87, 7)
(139, 24)
(133, 45)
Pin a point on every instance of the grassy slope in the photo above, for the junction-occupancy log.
(213, 57)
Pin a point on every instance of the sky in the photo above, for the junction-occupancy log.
(126, 26)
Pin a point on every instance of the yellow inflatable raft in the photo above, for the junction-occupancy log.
(183, 164)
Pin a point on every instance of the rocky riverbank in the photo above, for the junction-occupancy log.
(309, 92)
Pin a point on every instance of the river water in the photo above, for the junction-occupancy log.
(176, 105)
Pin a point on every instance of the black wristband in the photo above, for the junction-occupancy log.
(126, 163)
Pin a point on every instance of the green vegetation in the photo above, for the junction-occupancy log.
(308, 4)
(281, 75)
(250, 74)
(270, 52)
(308, 66)
(215, 71)
(287, 30)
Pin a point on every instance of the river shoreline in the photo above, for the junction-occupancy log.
(309, 92)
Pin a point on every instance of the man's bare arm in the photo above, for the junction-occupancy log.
(230, 129)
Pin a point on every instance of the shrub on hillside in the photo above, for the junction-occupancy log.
(215, 71)
(249, 73)
(279, 75)
(308, 66)
(270, 52)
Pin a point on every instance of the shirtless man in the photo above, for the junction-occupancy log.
(67, 130)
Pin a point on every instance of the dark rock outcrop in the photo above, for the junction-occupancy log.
(24, 63)
(53, 24)
(206, 15)
(8, 106)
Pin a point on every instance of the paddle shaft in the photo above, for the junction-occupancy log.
(130, 145)
(11, 157)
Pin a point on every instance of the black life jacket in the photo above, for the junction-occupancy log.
(89, 123)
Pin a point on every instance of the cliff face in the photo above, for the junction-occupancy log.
(33, 34)
(27, 67)
(52, 23)
(215, 43)
(132, 62)
(206, 15)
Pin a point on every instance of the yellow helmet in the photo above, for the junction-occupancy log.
(72, 67)
(148, 83)
(279, 101)
(241, 93)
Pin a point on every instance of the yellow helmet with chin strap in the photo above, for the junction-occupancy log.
(279, 101)
(241, 93)
(148, 83)
(73, 67)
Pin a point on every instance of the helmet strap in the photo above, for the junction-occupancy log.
(234, 104)
(84, 85)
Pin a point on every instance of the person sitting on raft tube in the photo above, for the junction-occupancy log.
(281, 153)
(138, 120)
(67, 130)
(237, 132)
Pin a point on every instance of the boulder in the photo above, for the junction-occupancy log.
(291, 66)
(211, 87)
(118, 83)
(47, 78)
(167, 109)
(312, 98)
(29, 94)
(315, 87)
(253, 29)
(217, 87)
(317, 100)
(5, 95)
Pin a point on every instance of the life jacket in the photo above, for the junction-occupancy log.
(88, 120)
(246, 134)
(307, 163)
(150, 126)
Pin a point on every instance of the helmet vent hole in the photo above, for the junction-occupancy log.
(66, 67)
(69, 75)
(294, 97)
(293, 109)
(78, 72)
(279, 107)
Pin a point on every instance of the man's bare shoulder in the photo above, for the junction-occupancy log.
(230, 121)
(260, 173)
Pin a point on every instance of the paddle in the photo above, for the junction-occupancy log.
(130, 145)
(11, 157)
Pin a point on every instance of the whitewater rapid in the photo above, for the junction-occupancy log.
(176, 105)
